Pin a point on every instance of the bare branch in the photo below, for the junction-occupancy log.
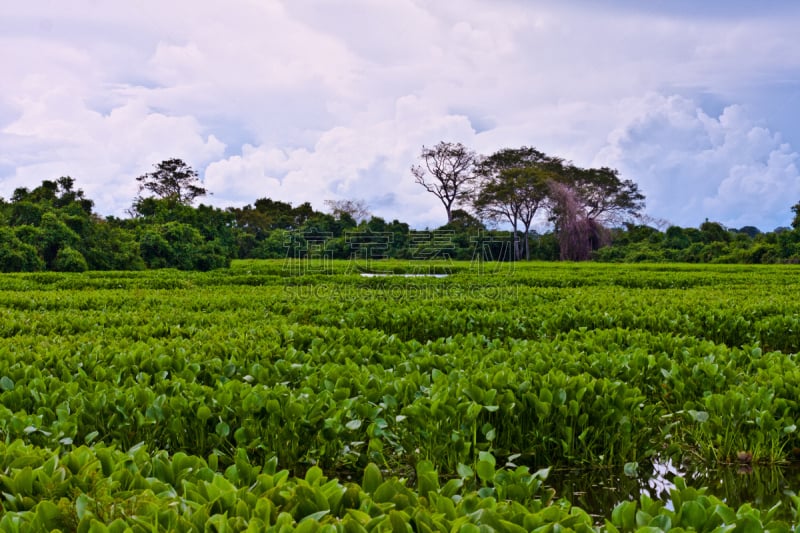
(447, 172)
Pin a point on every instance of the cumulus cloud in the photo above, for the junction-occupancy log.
(307, 101)
(369, 162)
(694, 166)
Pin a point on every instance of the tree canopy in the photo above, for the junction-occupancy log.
(513, 187)
(593, 214)
(172, 180)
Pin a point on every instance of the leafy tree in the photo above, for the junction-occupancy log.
(796, 220)
(69, 259)
(16, 255)
(56, 236)
(155, 250)
(714, 232)
(750, 231)
(27, 207)
(263, 216)
(601, 195)
(110, 247)
(172, 180)
(446, 172)
(583, 200)
(464, 222)
(70, 198)
(676, 238)
(25, 212)
(181, 246)
(514, 188)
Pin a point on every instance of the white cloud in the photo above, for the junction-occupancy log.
(104, 153)
(306, 100)
(370, 162)
(693, 166)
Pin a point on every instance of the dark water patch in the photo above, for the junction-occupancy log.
(599, 490)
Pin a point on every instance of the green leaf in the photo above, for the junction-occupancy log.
(485, 470)
(698, 416)
(6, 384)
(692, 514)
(222, 429)
(81, 505)
(372, 478)
(624, 515)
(488, 457)
(465, 471)
(47, 514)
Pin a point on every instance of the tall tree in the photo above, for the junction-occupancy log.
(172, 180)
(513, 188)
(446, 171)
(583, 201)
(602, 195)
(796, 220)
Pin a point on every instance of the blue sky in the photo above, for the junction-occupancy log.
(314, 100)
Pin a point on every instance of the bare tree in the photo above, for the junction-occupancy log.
(446, 171)
(357, 209)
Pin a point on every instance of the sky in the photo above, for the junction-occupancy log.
(314, 100)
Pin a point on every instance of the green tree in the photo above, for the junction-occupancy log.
(56, 236)
(714, 232)
(601, 195)
(513, 188)
(179, 245)
(69, 259)
(16, 255)
(583, 201)
(796, 219)
(172, 180)
(110, 247)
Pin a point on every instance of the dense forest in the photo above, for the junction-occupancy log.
(593, 214)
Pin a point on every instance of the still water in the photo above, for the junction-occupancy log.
(598, 491)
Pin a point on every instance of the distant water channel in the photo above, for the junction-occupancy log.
(391, 275)
(598, 491)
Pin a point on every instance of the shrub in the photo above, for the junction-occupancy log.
(69, 259)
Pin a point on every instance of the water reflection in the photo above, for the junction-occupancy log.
(598, 491)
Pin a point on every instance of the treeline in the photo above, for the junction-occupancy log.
(710, 243)
(54, 227)
(516, 186)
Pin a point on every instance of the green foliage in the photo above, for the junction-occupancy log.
(172, 180)
(712, 243)
(181, 246)
(17, 256)
(169, 396)
(69, 260)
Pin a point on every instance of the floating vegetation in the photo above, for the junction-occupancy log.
(156, 400)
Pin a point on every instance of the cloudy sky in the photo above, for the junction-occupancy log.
(308, 100)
